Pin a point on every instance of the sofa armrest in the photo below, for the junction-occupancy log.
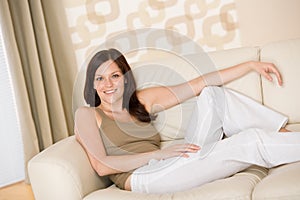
(63, 171)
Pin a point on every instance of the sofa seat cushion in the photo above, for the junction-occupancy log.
(281, 183)
(238, 186)
(295, 127)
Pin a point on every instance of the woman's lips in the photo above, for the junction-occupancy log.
(110, 91)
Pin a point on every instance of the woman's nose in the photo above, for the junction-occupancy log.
(108, 82)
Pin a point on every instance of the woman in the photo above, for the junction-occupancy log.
(121, 142)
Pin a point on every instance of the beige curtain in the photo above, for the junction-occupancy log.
(43, 68)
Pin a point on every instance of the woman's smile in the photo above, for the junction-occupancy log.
(109, 82)
(110, 91)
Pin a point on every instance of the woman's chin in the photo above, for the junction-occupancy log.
(110, 100)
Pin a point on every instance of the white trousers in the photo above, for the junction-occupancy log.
(219, 111)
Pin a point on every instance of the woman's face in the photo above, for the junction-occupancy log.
(109, 82)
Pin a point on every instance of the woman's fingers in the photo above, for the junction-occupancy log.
(266, 69)
(187, 148)
(177, 150)
(193, 147)
(267, 75)
(278, 75)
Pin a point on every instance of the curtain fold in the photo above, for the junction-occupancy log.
(63, 55)
(43, 68)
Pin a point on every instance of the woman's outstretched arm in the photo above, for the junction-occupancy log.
(157, 99)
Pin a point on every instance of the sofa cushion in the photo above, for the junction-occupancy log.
(238, 186)
(249, 84)
(63, 171)
(281, 183)
(294, 127)
(285, 55)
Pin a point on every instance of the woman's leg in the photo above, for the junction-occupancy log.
(231, 155)
(221, 110)
(242, 113)
(206, 122)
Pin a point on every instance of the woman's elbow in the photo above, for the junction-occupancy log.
(103, 170)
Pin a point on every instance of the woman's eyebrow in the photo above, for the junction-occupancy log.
(119, 71)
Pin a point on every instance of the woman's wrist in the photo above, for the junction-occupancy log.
(155, 155)
(251, 65)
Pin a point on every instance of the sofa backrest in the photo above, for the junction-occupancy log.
(249, 85)
(286, 99)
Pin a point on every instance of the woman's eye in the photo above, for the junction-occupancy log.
(99, 78)
(116, 76)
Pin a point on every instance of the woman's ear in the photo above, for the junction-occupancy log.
(125, 80)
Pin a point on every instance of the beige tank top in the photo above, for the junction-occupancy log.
(122, 138)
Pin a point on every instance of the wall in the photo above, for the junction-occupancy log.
(211, 24)
(265, 21)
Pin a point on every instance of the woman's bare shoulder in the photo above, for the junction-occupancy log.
(145, 98)
(85, 112)
(158, 98)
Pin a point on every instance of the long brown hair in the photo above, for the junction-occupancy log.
(130, 101)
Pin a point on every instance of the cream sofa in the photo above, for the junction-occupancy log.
(63, 172)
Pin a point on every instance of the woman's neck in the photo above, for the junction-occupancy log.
(113, 108)
(116, 112)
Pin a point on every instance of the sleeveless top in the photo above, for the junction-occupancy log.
(125, 138)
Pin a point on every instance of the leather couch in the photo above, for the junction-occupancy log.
(63, 171)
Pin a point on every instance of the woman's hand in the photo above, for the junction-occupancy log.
(177, 150)
(265, 69)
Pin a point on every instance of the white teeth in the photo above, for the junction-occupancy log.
(110, 91)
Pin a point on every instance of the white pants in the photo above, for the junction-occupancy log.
(221, 110)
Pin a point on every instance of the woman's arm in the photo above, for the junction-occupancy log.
(157, 99)
(87, 133)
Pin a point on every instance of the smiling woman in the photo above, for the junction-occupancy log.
(126, 148)
(118, 80)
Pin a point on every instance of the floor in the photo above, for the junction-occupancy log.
(17, 191)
